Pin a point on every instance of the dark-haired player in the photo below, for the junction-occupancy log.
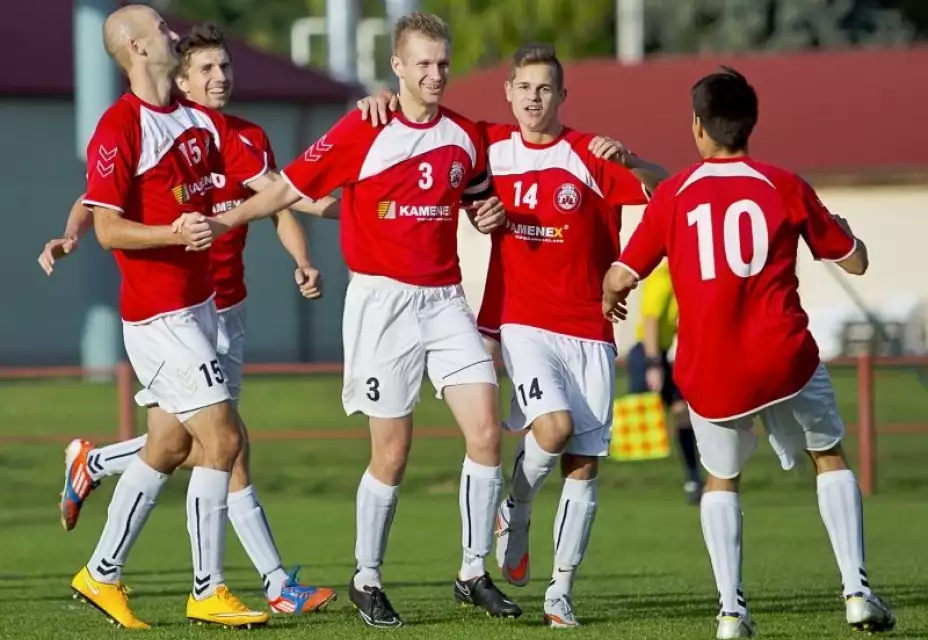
(730, 227)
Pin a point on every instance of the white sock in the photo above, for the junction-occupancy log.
(132, 501)
(533, 464)
(207, 493)
(478, 495)
(376, 506)
(572, 526)
(250, 524)
(720, 513)
(113, 459)
(839, 504)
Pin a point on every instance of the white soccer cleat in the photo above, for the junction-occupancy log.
(559, 613)
(512, 547)
(866, 612)
(735, 625)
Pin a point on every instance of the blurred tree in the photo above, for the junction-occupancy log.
(486, 31)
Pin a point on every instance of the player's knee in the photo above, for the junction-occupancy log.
(483, 441)
(219, 434)
(829, 459)
(578, 467)
(168, 443)
(553, 430)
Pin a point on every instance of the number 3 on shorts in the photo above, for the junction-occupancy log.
(534, 392)
(373, 389)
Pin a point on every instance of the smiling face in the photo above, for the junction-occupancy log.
(422, 64)
(536, 94)
(206, 77)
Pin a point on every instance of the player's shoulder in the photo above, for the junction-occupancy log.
(779, 177)
(494, 132)
(469, 126)
(250, 132)
(122, 114)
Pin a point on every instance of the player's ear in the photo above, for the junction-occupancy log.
(563, 93)
(181, 81)
(397, 65)
(508, 87)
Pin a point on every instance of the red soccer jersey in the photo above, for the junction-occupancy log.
(227, 253)
(731, 230)
(402, 186)
(564, 207)
(152, 164)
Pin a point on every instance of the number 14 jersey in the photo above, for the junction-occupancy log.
(564, 208)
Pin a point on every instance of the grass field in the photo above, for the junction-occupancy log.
(646, 574)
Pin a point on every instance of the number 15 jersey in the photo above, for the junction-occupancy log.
(730, 230)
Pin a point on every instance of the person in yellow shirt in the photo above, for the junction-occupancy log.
(650, 370)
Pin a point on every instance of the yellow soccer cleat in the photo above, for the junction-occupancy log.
(224, 609)
(109, 599)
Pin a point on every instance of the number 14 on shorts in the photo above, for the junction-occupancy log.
(534, 392)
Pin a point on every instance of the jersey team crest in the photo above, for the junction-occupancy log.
(567, 198)
(456, 175)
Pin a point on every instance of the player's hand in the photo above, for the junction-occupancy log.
(490, 215)
(309, 281)
(379, 107)
(654, 376)
(612, 150)
(615, 312)
(195, 231)
(843, 223)
(55, 250)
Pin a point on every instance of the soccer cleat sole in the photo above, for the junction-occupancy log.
(80, 597)
(490, 614)
(374, 625)
(554, 622)
(235, 627)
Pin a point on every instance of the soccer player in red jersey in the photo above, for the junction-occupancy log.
(150, 163)
(730, 227)
(405, 312)
(206, 77)
(563, 191)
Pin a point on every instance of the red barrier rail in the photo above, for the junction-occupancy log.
(125, 383)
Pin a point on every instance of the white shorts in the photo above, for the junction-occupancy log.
(808, 421)
(393, 333)
(552, 372)
(230, 347)
(174, 357)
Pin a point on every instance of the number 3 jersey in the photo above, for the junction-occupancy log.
(564, 208)
(730, 230)
(402, 186)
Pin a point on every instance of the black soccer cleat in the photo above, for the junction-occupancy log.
(481, 592)
(373, 606)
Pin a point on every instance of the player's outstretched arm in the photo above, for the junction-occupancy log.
(115, 232)
(858, 262)
(618, 283)
(648, 173)
(322, 208)
(80, 221)
(273, 196)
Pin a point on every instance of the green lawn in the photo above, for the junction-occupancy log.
(646, 574)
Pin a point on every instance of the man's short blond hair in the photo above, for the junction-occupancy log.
(427, 24)
(538, 53)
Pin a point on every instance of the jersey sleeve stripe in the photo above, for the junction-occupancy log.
(845, 256)
(627, 268)
(644, 190)
(260, 173)
(491, 334)
(94, 203)
(283, 175)
(477, 189)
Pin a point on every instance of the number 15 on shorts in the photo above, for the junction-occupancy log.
(534, 392)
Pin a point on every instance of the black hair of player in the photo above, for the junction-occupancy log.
(726, 105)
